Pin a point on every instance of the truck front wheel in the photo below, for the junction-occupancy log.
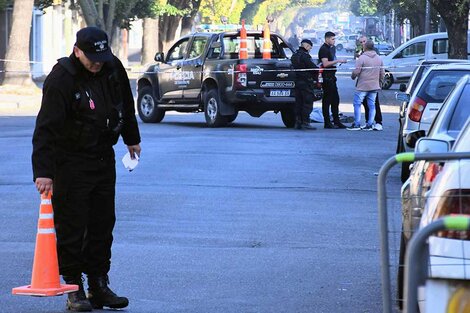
(288, 117)
(212, 110)
(148, 107)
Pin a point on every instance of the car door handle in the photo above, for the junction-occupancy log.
(178, 67)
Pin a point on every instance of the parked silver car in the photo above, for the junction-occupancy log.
(446, 127)
(426, 100)
(449, 261)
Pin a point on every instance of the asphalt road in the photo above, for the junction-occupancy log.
(253, 217)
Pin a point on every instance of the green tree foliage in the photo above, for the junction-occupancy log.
(213, 10)
(4, 4)
(364, 7)
(274, 8)
(108, 14)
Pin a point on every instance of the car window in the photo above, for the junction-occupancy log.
(178, 51)
(438, 84)
(440, 46)
(463, 143)
(254, 47)
(414, 50)
(462, 110)
(197, 47)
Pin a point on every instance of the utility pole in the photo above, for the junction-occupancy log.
(427, 18)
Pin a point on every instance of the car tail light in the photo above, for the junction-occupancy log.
(431, 172)
(240, 75)
(416, 109)
(455, 201)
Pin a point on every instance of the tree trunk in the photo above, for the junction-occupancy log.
(455, 16)
(149, 40)
(167, 31)
(187, 24)
(17, 66)
(188, 21)
(170, 24)
(90, 13)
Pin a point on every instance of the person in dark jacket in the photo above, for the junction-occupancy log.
(87, 104)
(306, 77)
(327, 56)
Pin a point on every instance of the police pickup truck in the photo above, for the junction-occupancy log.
(202, 72)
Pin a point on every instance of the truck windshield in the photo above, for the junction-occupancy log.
(254, 45)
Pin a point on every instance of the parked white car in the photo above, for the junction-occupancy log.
(449, 263)
(446, 127)
(346, 42)
(401, 62)
(426, 101)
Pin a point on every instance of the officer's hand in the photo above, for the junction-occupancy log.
(43, 185)
(133, 150)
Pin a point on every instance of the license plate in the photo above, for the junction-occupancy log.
(279, 93)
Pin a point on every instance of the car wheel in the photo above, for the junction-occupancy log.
(212, 110)
(339, 47)
(288, 117)
(147, 106)
(231, 118)
(388, 81)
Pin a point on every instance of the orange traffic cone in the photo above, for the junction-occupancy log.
(266, 42)
(243, 51)
(45, 281)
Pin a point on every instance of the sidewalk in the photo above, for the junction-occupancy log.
(20, 101)
(26, 101)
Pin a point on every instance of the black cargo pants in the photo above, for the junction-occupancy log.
(303, 103)
(84, 215)
(330, 98)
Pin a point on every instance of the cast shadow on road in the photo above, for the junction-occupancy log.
(234, 125)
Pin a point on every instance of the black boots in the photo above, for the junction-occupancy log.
(77, 301)
(100, 295)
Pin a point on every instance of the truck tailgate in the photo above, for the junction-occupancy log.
(273, 76)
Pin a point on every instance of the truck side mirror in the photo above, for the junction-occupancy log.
(413, 137)
(159, 57)
(402, 87)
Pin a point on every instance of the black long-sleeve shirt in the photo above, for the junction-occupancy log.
(307, 72)
(84, 96)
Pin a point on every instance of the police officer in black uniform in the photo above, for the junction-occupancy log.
(87, 104)
(306, 78)
(327, 56)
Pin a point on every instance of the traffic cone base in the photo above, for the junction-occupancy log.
(45, 280)
(44, 292)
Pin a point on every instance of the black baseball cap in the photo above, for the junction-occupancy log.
(94, 43)
(307, 41)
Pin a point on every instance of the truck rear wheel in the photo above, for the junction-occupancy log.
(212, 110)
(147, 106)
(288, 117)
